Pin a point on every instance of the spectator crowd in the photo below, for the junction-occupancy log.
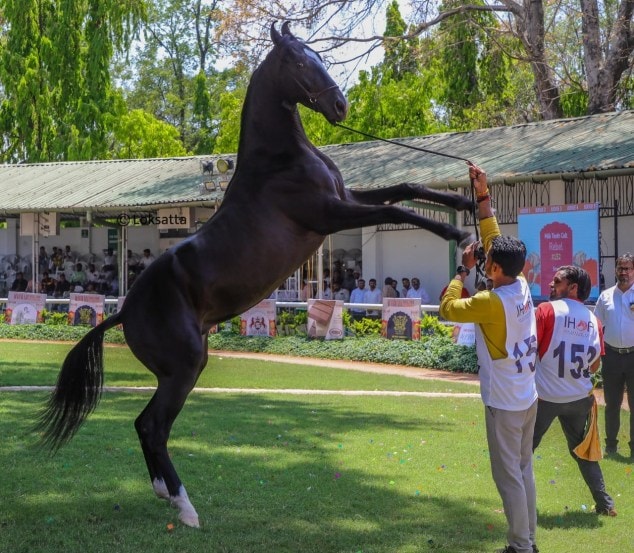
(61, 272)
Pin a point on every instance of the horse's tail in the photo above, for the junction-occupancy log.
(78, 388)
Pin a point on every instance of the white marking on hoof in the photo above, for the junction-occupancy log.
(187, 514)
(160, 489)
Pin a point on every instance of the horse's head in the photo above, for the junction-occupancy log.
(305, 78)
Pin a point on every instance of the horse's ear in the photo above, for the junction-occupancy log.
(286, 30)
(276, 37)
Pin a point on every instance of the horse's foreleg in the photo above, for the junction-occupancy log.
(409, 191)
(346, 215)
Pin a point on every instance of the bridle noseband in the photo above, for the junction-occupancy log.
(314, 96)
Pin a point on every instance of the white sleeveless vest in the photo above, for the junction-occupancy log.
(563, 373)
(509, 383)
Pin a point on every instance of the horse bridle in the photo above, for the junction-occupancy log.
(314, 96)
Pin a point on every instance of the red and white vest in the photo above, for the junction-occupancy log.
(563, 373)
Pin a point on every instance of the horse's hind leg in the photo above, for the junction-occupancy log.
(158, 483)
(153, 426)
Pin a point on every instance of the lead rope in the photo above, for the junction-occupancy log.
(480, 259)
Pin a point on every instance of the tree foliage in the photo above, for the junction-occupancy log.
(599, 37)
(138, 134)
(175, 73)
(72, 88)
(58, 100)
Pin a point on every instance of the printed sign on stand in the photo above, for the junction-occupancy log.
(259, 320)
(325, 319)
(86, 309)
(24, 308)
(464, 334)
(401, 318)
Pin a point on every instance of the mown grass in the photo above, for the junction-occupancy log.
(277, 473)
(38, 364)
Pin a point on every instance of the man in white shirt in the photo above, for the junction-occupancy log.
(358, 296)
(373, 295)
(326, 293)
(570, 345)
(417, 291)
(339, 293)
(615, 309)
(406, 287)
(147, 258)
(109, 261)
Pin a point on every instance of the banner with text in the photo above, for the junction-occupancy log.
(463, 334)
(86, 309)
(401, 319)
(24, 308)
(325, 319)
(259, 320)
(557, 235)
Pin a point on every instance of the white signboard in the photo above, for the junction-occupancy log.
(24, 308)
(48, 222)
(259, 320)
(401, 318)
(325, 319)
(464, 334)
(86, 309)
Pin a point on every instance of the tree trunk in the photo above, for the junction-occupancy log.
(529, 19)
(603, 72)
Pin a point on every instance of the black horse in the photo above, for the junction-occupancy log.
(284, 199)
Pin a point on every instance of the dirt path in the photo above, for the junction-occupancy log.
(380, 368)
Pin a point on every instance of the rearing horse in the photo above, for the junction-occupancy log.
(285, 197)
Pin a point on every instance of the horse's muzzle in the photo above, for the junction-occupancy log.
(339, 108)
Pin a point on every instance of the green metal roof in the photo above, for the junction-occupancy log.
(544, 150)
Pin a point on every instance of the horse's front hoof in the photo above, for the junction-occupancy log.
(464, 203)
(465, 239)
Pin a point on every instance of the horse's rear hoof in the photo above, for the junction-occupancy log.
(186, 512)
(189, 519)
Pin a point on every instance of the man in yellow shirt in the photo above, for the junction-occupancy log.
(506, 344)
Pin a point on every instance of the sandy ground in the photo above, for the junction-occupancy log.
(401, 370)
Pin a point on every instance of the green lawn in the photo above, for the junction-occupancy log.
(37, 364)
(276, 473)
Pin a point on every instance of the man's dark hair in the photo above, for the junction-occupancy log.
(580, 277)
(509, 253)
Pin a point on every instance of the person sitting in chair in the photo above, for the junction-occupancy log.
(79, 277)
(20, 283)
